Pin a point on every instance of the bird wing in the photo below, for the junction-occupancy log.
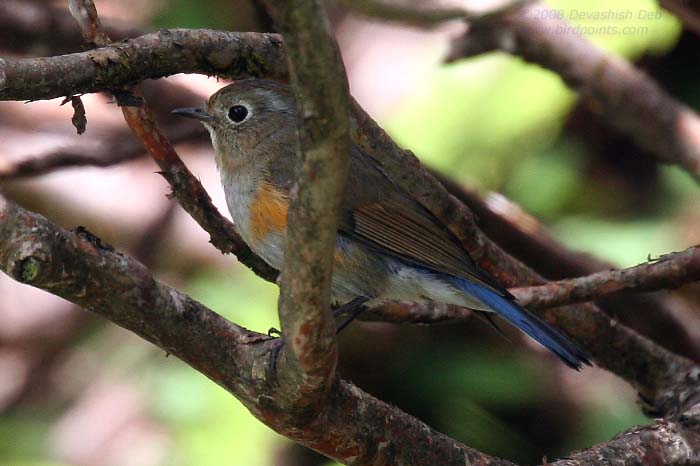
(377, 213)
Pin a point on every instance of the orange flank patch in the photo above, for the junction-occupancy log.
(268, 212)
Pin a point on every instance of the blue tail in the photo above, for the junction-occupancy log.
(543, 333)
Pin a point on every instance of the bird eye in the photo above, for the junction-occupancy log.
(237, 113)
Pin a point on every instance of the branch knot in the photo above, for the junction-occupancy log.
(28, 269)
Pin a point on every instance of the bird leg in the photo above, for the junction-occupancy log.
(353, 309)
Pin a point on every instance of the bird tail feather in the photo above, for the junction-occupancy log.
(569, 352)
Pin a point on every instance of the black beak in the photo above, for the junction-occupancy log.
(197, 113)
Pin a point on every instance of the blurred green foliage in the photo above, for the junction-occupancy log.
(194, 14)
(23, 435)
(209, 427)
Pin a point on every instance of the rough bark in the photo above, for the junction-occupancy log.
(167, 52)
(667, 272)
(321, 90)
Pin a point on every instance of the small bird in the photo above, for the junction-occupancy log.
(388, 248)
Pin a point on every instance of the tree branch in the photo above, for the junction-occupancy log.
(626, 98)
(657, 122)
(113, 150)
(668, 271)
(167, 52)
(664, 443)
(413, 14)
(85, 14)
(352, 427)
(321, 90)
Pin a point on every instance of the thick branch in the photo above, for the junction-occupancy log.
(352, 427)
(167, 52)
(321, 90)
(664, 443)
(625, 97)
(669, 271)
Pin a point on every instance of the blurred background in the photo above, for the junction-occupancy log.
(77, 390)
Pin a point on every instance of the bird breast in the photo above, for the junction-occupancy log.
(259, 212)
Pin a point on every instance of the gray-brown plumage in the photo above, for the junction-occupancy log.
(389, 247)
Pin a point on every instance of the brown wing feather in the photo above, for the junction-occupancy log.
(416, 240)
(379, 214)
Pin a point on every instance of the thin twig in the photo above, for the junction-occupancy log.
(111, 151)
(667, 272)
(190, 192)
(424, 15)
(85, 13)
(412, 14)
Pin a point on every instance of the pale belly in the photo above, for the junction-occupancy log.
(270, 246)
